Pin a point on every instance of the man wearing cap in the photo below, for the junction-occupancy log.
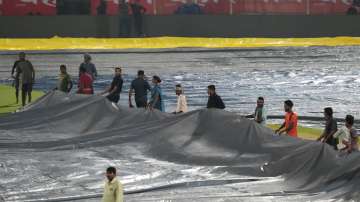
(181, 100)
(140, 87)
(89, 66)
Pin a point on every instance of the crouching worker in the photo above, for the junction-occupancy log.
(344, 135)
(113, 190)
(115, 88)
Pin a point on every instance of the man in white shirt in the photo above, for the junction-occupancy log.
(181, 100)
(113, 190)
(343, 134)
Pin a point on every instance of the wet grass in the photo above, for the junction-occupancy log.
(8, 100)
(303, 132)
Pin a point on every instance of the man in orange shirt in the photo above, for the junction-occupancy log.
(289, 127)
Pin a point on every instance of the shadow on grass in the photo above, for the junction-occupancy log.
(9, 105)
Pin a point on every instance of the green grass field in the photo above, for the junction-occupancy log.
(8, 100)
(303, 132)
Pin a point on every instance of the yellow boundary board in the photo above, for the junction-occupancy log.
(57, 43)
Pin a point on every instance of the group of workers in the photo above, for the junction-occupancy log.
(24, 76)
(344, 139)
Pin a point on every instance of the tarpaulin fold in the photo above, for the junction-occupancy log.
(63, 140)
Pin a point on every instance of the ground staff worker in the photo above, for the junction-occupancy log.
(113, 189)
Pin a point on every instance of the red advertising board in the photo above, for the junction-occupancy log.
(168, 7)
(28, 7)
(291, 6)
(269, 6)
(215, 6)
(329, 6)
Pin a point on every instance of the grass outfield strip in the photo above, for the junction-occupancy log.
(8, 100)
(8, 105)
(303, 132)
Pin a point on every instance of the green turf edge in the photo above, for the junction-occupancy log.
(8, 100)
(303, 132)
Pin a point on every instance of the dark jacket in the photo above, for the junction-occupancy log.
(215, 101)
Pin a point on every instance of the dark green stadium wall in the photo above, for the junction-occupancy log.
(178, 25)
